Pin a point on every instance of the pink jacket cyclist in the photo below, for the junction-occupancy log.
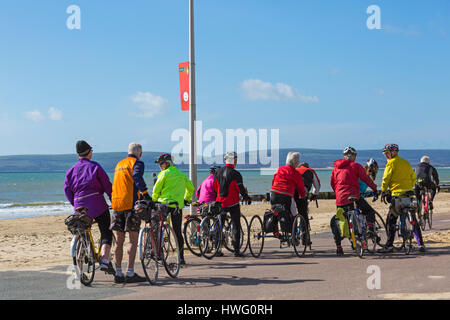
(205, 192)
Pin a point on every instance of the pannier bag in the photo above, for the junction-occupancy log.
(78, 221)
(270, 222)
(286, 221)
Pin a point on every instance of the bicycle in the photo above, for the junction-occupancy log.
(425, 213)
(191, 228)
(405, 226)
(84, 252)
(157, 244)
(302, 233)
(216, 230)
(274, 220)
(360, 237)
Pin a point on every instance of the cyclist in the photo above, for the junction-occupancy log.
(287, 182)
(173, 186)
(84, 186)
(128, 186)
(427, 176)
(312, 184)
(399, 178)
(205, 192)
(345, 182)
(228, 184)
(371, 168)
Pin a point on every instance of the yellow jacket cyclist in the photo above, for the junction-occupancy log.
(173, 185)
(399, 177)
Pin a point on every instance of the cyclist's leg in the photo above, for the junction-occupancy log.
(391, 222)
(302, 209)
(368, 211)
(106, 235)
(334, 224)
(118, 225)
(177, 217)
(132, 226)
(235, 213)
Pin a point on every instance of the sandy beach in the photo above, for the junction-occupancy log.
(42, 242)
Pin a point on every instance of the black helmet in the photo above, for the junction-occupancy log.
(304, 164)
(164, 158)
(214, 169)
(373, 165)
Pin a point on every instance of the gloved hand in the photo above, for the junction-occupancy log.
(312, 197)
(247, 199)
(385, 197)
(438, 189)
(146, 196)
(375, 196)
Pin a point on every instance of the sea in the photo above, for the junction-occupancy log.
(24, 195)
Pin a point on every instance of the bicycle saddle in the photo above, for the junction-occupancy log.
(352, 199)
(82, 210)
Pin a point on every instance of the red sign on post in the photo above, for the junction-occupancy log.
(184, 85)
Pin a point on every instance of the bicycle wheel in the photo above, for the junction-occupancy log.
(356, 238)
(148, 256)
(84, 260)
(210, 234)
(191, 235)
(430, 218)
(170, 251)
(228, 234)
(422, 214)
(380, 230)
(407, 239)
(256, 236)
(300, 236)
(244, 234)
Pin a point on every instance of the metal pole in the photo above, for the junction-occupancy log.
(192, 103)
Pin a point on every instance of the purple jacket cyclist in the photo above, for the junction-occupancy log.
(84, 186)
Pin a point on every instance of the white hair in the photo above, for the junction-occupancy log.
(134, 148)
(293, 159)
(425, 159)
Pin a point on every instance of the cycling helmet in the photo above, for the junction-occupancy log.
(349, 151)
(304, 164)
(164, 158)
(390, 147)
(214, 169)
(373, 165)
(230, 155)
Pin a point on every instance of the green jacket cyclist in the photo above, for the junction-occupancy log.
(173, 185)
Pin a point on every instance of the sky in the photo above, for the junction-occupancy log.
(312, 69)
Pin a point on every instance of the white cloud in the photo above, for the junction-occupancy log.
(255, 89)
(55, 114)
(34, 115)
(149, 105)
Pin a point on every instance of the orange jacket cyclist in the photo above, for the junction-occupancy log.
(127, 186)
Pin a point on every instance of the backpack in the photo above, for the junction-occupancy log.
(270, 222)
